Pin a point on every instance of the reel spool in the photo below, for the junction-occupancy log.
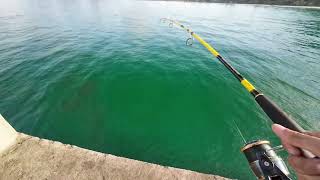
(264, 162)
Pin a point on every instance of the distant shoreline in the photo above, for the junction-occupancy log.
(259, 4)
(290, 6)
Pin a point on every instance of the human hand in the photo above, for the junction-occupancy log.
(292, 141)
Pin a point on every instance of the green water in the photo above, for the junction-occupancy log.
(108, 76)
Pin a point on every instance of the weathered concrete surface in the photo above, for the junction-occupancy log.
(33, 158)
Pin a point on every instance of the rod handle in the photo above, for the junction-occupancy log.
(278, 116)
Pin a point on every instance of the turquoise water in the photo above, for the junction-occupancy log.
(108, 76)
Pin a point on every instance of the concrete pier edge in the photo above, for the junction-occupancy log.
(8, 134)
(27, 157)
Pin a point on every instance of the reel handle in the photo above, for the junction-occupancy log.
(278, 116)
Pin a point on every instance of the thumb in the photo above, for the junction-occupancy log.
(315, 134)
(297, 139)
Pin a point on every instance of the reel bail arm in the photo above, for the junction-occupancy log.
(264, 162)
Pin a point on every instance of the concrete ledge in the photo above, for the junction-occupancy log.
(33, 158)
(7, 134)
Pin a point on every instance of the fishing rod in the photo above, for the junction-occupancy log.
(276, 114)
(263, 160)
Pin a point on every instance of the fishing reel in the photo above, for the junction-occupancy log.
(264, 162)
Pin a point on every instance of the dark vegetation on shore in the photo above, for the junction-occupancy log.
(269, 2)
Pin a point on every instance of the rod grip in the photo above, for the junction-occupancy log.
(278, 116)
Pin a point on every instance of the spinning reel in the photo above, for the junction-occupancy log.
(264, 162)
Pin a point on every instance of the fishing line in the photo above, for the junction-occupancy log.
(276, 114)
(238, 129)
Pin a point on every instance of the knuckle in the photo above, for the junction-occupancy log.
(289, 135)
(294, 137)
(317, 168)
(291, 161)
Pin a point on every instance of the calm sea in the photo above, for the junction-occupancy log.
(109, 76)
